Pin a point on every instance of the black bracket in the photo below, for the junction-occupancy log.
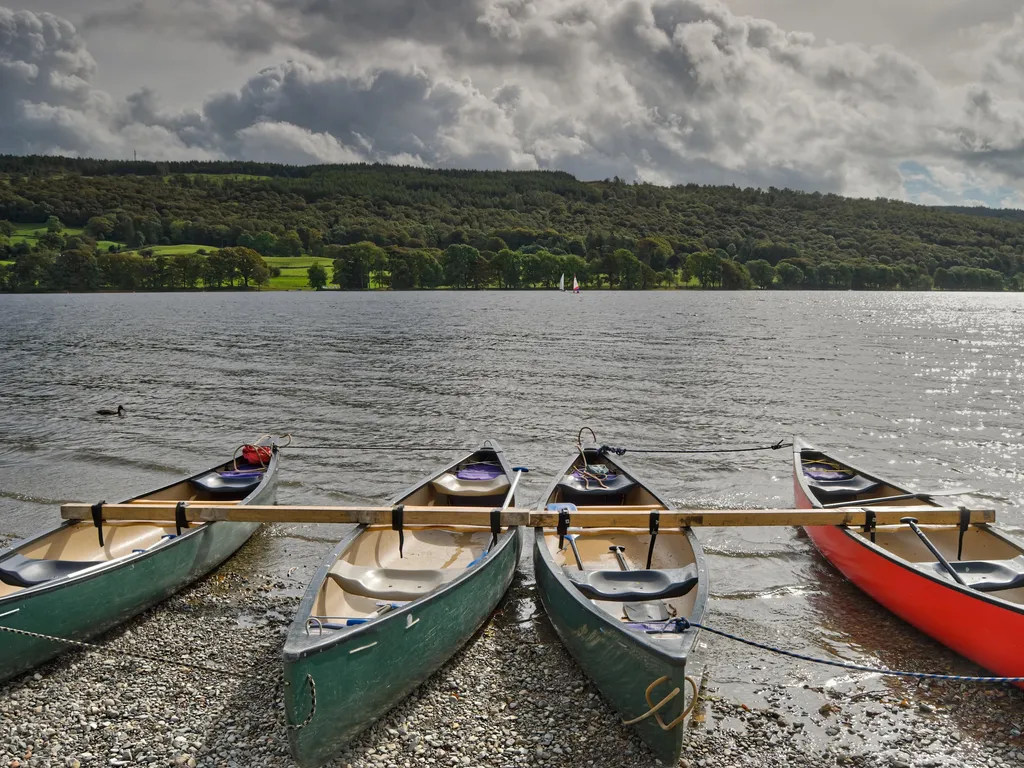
(965, 523)
(397, 522)
(563, 526)
(495, 526)
(654, 525)
(97, 519)
(179, 518)
(869, 523)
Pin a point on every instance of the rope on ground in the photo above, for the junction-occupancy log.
(129, 654)
(680, 625)
(621, 451)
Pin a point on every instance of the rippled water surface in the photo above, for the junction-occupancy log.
(925, 388)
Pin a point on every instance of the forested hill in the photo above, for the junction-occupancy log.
(616, 234)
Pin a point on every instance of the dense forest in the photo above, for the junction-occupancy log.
(78, 224)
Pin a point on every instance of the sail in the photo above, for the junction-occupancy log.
(561, 283)
(575, 285)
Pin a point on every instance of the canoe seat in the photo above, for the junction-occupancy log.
(235, 484)
(453, 485)
(390, 583)
(633, 586)
(21, 571)
(852, 486)
(988, 575)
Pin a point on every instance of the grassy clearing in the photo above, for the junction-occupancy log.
(293, 271)
(219, 178)
(174, 250)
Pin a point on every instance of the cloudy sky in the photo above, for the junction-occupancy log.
(915, 99)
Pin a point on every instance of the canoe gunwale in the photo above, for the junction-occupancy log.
(104, 569)
(301, 644)
(873, 549)
(687, 638)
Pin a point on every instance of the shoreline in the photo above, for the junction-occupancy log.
(511, 697)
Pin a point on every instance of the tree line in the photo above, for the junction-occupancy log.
(403, 228)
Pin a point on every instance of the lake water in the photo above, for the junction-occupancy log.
(924, 387)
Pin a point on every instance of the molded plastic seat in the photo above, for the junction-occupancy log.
(21, 571)
(988, 575)
(390, 583)
(850, 487)
(235, 484)
(455, 486)
(633, 586)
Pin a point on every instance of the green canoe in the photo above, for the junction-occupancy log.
(617, 625)
(64, 583)
(375, 623)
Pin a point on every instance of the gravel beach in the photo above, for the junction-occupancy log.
(512, 697)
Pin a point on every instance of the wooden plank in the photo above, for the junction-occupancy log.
(723, 518)
(610, 517)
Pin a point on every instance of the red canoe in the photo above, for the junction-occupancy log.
(982, 619)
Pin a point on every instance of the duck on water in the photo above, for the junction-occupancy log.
(121, 411)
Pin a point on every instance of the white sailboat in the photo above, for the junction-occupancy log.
(575, 285)
(561, 283)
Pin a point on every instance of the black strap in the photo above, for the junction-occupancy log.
(655, 523)
(495, 526)
(563, 526)
(179, 518)
(97, 519)
(397, 521)
(869, 523)
(965, 523)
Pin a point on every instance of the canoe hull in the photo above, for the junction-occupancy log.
(363, 675)
(84, 607)
(984, 629)
(619, 667)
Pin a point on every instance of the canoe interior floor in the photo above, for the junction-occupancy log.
(375, 552)
(594, 547)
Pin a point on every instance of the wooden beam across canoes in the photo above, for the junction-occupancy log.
(589, 517)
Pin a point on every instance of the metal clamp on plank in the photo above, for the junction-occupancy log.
(655, 523)
(563, 526)
(397, 523)
(495, 526)
(965, 523)
(869, 523)
(179, 518)
(97, 519)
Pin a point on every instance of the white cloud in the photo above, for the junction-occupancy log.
(667, 91)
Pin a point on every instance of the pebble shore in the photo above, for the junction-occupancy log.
(512, 697)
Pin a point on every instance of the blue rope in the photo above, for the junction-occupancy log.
(681, 625)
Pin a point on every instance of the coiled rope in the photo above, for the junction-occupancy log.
(681, 625)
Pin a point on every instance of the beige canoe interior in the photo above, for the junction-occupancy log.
(370, 578)
(980, 544)
(79, 543)
(672, 548)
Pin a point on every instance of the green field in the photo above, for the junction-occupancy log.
(293, 271)
(175, 250)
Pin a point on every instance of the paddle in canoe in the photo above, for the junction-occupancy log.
(961, 584)
(611, 595)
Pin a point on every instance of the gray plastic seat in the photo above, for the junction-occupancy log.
(853, 486)
(236, 486)
(988, 575)
(633, 586)
(21, 571)
(403, 584)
